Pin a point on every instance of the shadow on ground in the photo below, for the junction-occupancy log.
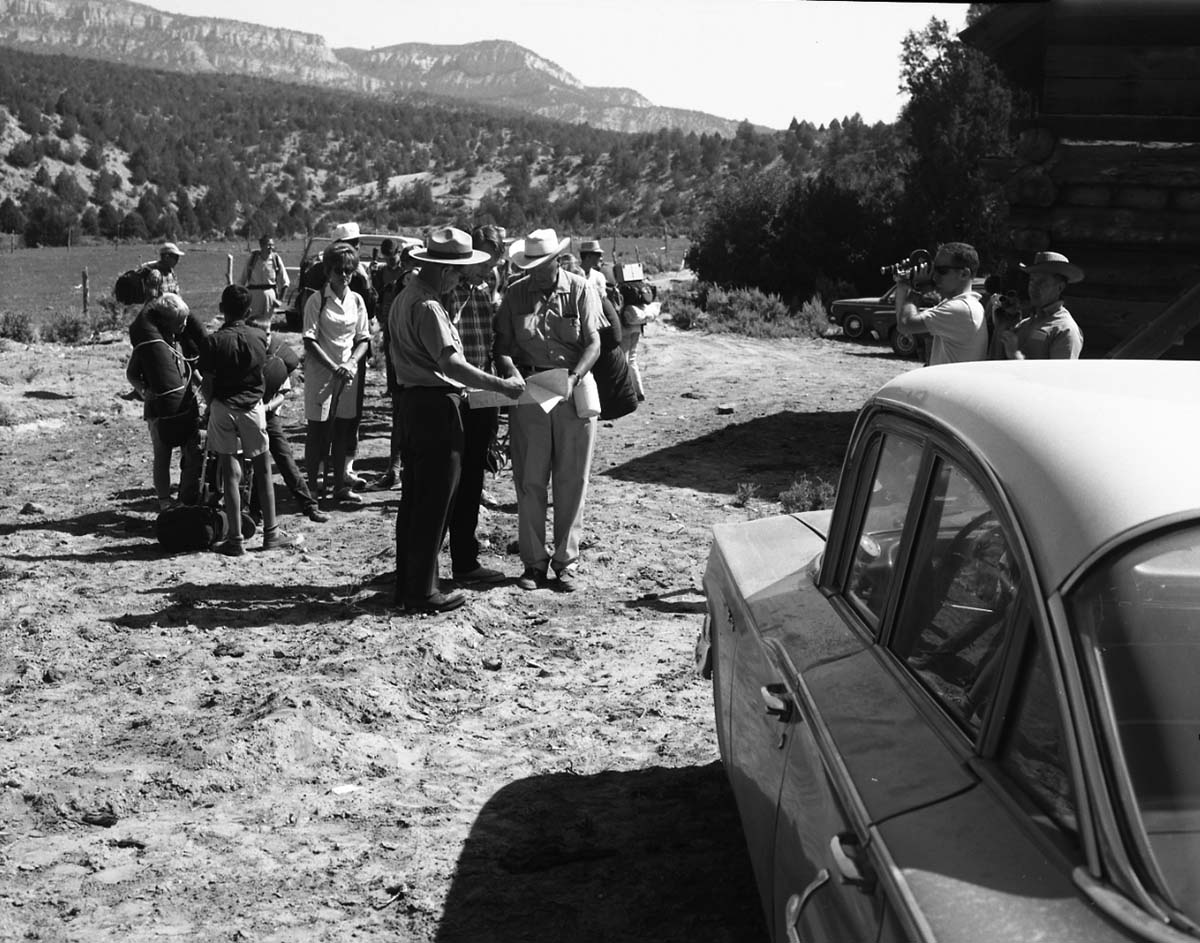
(770, 452)
(218, 605)
(654, 854)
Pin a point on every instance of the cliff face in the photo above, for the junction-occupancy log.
(492, 73)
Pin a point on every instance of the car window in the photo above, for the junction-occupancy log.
(897, 465)
(1033, 748)
(960, 598)
(1138, 616)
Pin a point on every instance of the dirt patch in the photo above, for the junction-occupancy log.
(259, 749)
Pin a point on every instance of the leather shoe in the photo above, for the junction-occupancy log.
(316, 515)
(385, 482)
(481, 574)
(438, 602)
(532, 578)
(567, 581)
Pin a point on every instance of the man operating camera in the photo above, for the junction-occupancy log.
(956, 323)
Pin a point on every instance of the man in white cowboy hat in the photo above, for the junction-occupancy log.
(956, 323)
(548, 319)
(432, 373)
(1049, 332)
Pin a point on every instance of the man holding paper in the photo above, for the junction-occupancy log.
(431, 373)
(549, 323)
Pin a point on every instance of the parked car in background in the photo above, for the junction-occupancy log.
(961, 705)
(861, 318)
(368, 252)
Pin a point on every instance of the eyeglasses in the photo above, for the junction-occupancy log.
(943, 269)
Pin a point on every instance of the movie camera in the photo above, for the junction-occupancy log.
(906, 267)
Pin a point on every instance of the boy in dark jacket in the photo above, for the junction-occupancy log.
(232, 359)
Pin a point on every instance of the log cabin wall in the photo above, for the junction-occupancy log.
(1108, 160)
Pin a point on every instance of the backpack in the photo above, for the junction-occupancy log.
(196, 526)
(130, 288)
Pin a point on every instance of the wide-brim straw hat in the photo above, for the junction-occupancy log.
(344, 232)
(1054, 263)
(539, 246)
(449, 246)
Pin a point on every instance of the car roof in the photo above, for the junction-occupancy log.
(1085, 450)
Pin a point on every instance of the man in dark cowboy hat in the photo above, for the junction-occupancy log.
(431, 373)
(1049, 332)
(548, 319)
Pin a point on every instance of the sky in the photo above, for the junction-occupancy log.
(762, 60)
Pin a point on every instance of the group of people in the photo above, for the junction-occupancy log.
(963, 327)
(466, 321)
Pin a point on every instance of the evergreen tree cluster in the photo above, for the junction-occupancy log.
(870, 195)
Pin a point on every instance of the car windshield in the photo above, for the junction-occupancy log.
(1139, 613)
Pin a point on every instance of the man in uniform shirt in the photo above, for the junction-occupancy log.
(956, 323)
(431, 373)
(1049, 332)
(548, 319)
(169, 255)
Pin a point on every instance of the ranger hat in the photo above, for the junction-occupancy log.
(1054, 263)
(539, 246)
(449, 246)
(344, 232)
(590, 245)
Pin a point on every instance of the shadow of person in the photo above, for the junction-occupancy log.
(652, 854)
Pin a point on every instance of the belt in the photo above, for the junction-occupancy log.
(442, 390)
(261, 287)
(528, 368)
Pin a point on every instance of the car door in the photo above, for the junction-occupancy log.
(858, 751)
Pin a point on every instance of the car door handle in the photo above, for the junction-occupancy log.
(846, 849)
(797, 902)
(776, 701)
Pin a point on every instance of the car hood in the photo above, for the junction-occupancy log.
(873, 300)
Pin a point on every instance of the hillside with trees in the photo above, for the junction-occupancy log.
(121, 152)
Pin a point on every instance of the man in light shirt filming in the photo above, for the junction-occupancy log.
(956, 323)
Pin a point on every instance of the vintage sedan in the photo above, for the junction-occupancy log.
(964, 704)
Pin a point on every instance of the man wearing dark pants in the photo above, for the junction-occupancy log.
(432, 373)
(474, 314)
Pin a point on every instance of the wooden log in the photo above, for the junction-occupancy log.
(1031, 186)
(1122, 127)
(1086, 195)
(85, 290)
(1112, 226)
(1130, 164)
(1117, 58)
(1036, 144)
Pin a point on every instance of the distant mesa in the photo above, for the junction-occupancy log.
(493, 73)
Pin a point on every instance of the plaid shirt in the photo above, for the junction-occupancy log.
(471, 310)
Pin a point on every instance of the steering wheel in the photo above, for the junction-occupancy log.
(958, 554)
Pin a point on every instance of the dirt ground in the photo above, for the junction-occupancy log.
(205, 748)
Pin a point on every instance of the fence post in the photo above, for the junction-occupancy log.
(229, 269)
(85, 290)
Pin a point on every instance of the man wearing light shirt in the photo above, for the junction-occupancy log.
(956, 323)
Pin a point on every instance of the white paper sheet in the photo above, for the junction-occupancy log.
(545, 390)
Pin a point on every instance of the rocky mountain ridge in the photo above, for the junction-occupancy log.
(494, 73)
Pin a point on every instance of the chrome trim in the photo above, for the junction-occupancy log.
(1125, 912)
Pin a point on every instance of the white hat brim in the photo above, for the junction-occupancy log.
(1068, 270)
(516, 254)
(424, 255)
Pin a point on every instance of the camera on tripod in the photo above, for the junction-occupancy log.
(906, 267)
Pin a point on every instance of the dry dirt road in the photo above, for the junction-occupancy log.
(203, 748)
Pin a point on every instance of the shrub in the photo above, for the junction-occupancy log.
(683, 314)
(746, 490)
(7, 417)
(110, 316)
(807, 494)
(813, 319)
(18, 326)
(71, 328)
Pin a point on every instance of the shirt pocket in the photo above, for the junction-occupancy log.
(564, 328)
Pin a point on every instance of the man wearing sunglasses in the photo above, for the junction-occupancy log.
(955, 324)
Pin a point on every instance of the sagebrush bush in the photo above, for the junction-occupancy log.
(746, 311)
(109, 316)
(71, 328)
(808, 494)
(18, 326)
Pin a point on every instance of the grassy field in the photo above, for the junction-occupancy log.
(46, 283)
